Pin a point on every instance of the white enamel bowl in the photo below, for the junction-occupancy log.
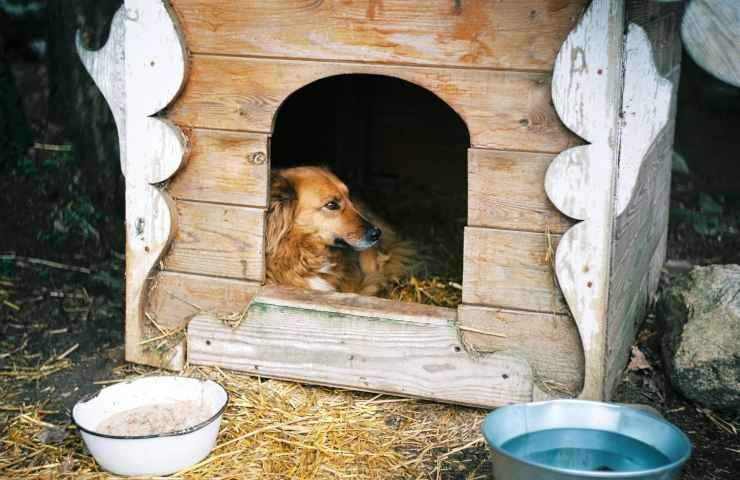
(150, 455)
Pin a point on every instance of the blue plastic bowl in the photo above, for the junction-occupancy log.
(575, 439)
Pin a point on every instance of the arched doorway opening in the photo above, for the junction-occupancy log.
(402, 151)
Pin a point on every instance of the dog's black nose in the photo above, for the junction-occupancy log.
(374, 234)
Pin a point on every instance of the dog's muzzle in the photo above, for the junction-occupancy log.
(371, 237)
(373, 234)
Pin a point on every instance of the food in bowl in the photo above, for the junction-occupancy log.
(151, 426)
(155, 419)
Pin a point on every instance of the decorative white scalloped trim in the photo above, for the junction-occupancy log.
(646, 106)
(140, 71)
(580, 181)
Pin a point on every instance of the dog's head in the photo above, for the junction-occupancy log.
(313, 201)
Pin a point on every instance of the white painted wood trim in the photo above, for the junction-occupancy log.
(107, 68)
(140, 70)
(646, 104)
(586, 91)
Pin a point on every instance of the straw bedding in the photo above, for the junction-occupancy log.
(272, 429)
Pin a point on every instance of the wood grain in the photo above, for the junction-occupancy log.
(646, 105)
(639, 235)
(218, 240)
(224, 167)
(140, 70)
(415, 356)
(506, 191)
(550, 343)
(662, 27)
(508, 34)
(587, 88)
(638, 230)
(511, 270)
(505, 110)
(176, 297)
(711, 32)
(172, 301)
(621, 334)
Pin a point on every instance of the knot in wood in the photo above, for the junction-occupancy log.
(257, 158)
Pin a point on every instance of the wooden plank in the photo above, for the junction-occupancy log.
(317, 341)
(656, 266)
(358, 305)
(662, 29)
(639, 235)
(711, 32)
(622, 332)
(642, 12)
(503, 109)
(218, 240)
(511, 270)
(224, 167)
(174, 298)
(504, 34)
(646, 107)
(140, 70)
(587, 92)
(550, 343)
(639, 229)
(506, 191)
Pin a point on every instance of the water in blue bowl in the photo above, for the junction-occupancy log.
(585, 450)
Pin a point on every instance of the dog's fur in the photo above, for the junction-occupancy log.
(317, 238)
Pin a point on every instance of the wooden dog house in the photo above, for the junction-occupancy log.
(569, 107)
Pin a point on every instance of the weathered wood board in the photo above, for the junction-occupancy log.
(711, 32)
(586, 91)
(622, 334)
(379, 346)
(508, 34)
(640, 228)
(140, 70)
(549, 342)
(176, 297)
(218, 240)
(224, 167)
(172, 301)
(509, 110)
(505, 191)
(510, 269)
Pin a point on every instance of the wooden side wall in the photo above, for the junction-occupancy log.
(490, 61)
(640, 232)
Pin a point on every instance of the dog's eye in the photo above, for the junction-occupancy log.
(333, 205)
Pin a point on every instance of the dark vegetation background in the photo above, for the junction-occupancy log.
(62, 219)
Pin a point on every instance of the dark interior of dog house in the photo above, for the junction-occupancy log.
(402, 151)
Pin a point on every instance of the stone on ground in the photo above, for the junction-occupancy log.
(700, 315)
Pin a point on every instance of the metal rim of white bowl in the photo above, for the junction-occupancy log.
(585, 473)
(173, 433)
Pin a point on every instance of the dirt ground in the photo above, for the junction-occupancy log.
(61, 300)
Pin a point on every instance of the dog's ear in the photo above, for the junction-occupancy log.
(281, 190)
(281, 213)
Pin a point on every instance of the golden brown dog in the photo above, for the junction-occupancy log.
(317, 238)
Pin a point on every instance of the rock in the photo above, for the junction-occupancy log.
(700, 316)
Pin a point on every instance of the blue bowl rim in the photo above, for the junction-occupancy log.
(586, 473)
